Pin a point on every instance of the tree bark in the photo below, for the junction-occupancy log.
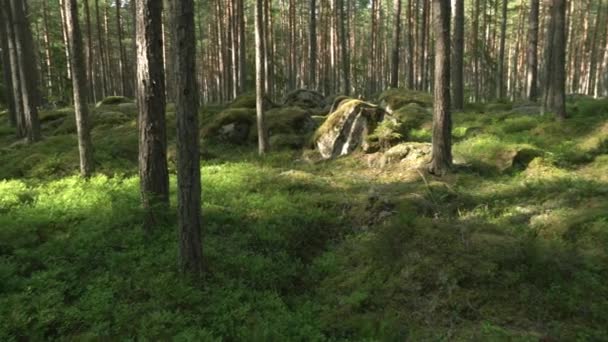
(188, 156)
(79, 85)
(312, 46)
(555, 79)
(396, 44)
(25, 55)
(259, 77)
(441, 161)
(14, 69)
(500, 77)
(154, 179)
(532, 51)
(7, 71)
(344, 48)
(458, 62)
(124, 84)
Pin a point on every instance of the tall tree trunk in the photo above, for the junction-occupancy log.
(154, 178)
(532, 51)
(259, 77)
(344, 48)
(591, 70)
(48, 56)
(79, 84)
(188, 156)
(458, 62)
(441, 161)
(89, 52)
(500, 77)
(7, 71)
(396, 44)
(312, 46)
(124, 85)
(410, 45)
(14, 68)
(242, 47)
(555, 61)
(29, 83)
(102, 61)
(476, 51)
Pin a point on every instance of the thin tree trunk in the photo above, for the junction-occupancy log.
(188, 157)
(458, 62)
(312, 46)
(396, 44)
(121, 51)
(7, 71)
(48, 55)
(79, 82)
(344, 47)
(14, 69)
(500, 77)
(100, 57)
(441, 161)
(29, 82)
(154, 178)
(259, 77)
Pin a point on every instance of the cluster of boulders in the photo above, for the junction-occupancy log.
(289, 124)
(334, 127)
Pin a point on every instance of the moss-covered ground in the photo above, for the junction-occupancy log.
(505, 248)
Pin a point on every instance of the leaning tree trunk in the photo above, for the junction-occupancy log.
(154, 179)
(441, 161)
(458, 62)
(532, 52)
(188, 156)
(25, 55)
(259, 78)
(79, 84)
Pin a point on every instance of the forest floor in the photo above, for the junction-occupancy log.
(502, 249)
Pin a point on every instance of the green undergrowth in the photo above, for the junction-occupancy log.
(326, 251)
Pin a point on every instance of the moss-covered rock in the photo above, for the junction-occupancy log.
(411, 155)
(129, 108)
(291, 141)
(289, 120)
(113, 100)
(231, 125)
(346, 129)
(248, 101)
(489, 153)
(394, 99)
(304, 98)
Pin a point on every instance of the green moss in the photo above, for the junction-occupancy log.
(335, 117)
(292, 141)
(397, 98)
(113, 100)
(226, 117)
(289, 120)
(519, 124)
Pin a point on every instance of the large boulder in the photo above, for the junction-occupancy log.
(394, 99)
(231, 125)
(113, 100)
(346, 129)
(304, 98)
(248, 101)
